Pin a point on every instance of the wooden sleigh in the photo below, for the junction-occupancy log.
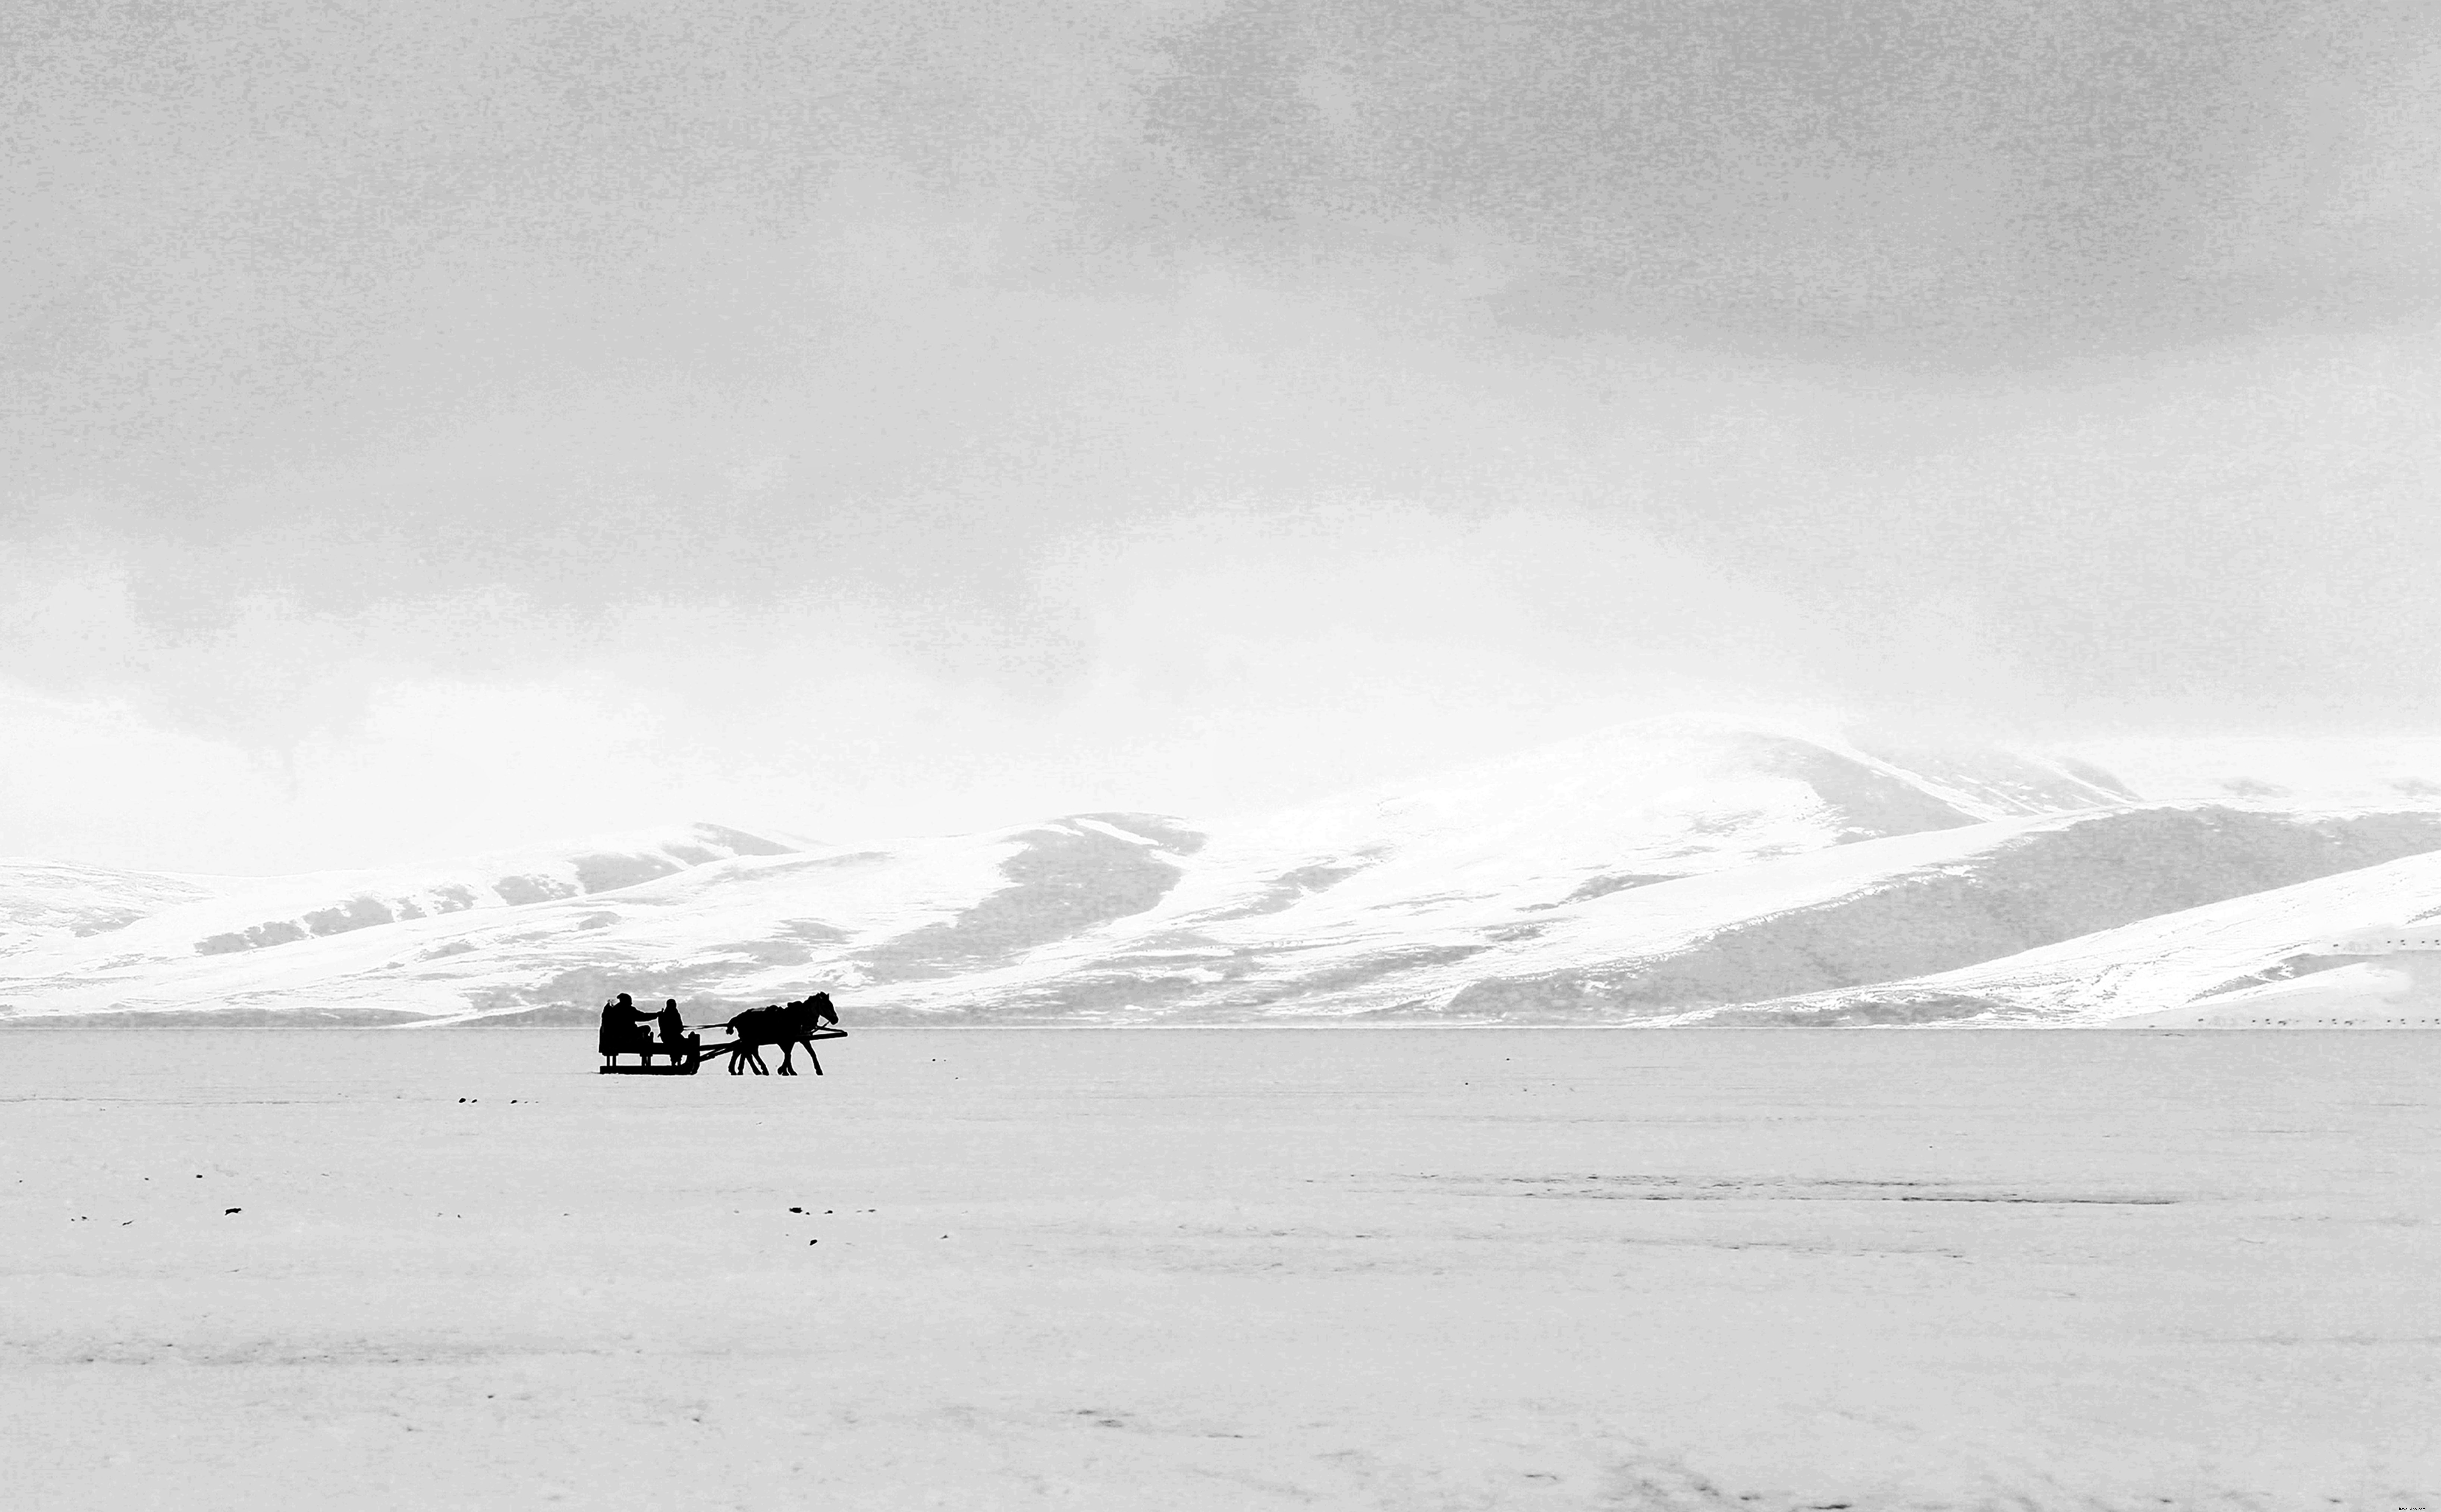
(683, 1058)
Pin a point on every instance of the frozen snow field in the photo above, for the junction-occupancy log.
(1225, 1268)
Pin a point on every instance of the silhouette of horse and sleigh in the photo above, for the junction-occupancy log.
(627, 1032)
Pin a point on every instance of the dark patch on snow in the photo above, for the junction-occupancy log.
(1423, 903)
(1512, 933)
(1062, 881)
(813, 931)
(523, 890)
(257, 937)
(1316, 878)
(2285, 970)
(1291, 888)
(1234, 963)
(359, 913)
(609, 872)
(738, 842)
(2093, 776)
(818, 863)
(106, 920)
(1868, 804)
(452, 897)
(2008, 782)
(1602, 886)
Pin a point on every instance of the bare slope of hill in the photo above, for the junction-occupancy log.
(2264, 956)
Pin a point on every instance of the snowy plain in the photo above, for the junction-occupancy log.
(1415, 1269)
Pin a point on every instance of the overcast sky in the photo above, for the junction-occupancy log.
(451, 425)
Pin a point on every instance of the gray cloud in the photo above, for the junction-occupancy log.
(2056, 362)
(1966, 182)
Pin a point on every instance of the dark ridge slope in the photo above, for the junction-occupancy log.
(1062, 880)
(2050, 886)
(1871, 804)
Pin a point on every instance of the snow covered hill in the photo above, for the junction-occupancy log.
(47, 899)
(2288, 771)
(47, 906)
(715, 911)
(1837, 916)
(1662, 871)
(2266, 958)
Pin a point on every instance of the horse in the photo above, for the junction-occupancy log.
(799, 1023)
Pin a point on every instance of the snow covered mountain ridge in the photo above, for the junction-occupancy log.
(1684, 870)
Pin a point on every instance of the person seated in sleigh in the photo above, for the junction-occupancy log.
(624, 1028)
(675, 1036)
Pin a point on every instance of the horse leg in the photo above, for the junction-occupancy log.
(788, 1059)
(811, 1057)
(756, 1052)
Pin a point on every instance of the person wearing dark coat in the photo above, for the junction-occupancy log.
(623, 1025)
